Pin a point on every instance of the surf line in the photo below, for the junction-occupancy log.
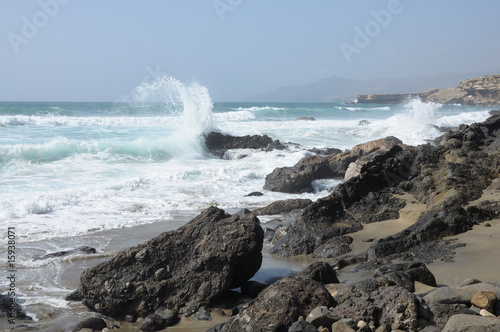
(11, 272)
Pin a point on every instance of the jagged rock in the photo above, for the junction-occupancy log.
(302, 326)
(405, 274)
(82, 249)
(470, 323)
(218, 143)
(281, 304)
(280, 207)
(188, 267)
(321, 316)
(377, 305)
(322, 272)
(304, 241)
(203, 313)
(153, 322)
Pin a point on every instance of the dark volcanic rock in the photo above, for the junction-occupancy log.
(153, 322)
(391, 305)
(280, 207)
(9, 308)
(218, 143)
(189, 267)
(281, 304)
(302, 326)
(405, 275)
(93, 323)
(82, 249)
(322, 272)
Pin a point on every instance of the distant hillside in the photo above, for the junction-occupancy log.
(344, 89)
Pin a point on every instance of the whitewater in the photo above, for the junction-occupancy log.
(77, 172)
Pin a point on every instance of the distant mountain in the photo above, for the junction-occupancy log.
(344, 89)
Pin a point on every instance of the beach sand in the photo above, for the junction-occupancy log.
(480, 257)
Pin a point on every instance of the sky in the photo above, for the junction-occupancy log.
(99, 50)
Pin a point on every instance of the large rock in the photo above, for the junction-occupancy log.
(188, 267)
(281, 304)
(391, 305)
(470, 323)
(298, 178)
(411, 272)
(218, 143)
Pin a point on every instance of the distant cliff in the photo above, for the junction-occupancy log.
(481, 91)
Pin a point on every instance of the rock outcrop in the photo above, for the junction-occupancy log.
(218, 143)
(481, 91)
(189, 267)
(298, 178)
(444, 178)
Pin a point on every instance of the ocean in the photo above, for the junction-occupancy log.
(74, 174)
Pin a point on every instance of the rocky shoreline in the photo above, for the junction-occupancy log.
(481, 91)
(421, 194)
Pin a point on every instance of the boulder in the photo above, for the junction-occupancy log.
(280, 305)
(218, 143)
(459, 294)
(322, 272)
(153, 322)
(93, 323)
(470, 323)
(441, 313)
(484, 300)
(321, 316)
(302, 326)
(188, 267)
(391, 305)
(289, 180)
(411, 272)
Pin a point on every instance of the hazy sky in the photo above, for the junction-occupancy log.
(99, 50)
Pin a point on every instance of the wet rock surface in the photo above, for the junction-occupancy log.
(188, 267)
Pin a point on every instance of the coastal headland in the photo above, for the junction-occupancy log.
(481, 91)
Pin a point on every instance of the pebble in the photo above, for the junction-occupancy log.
(486, 313)
(361, 324)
